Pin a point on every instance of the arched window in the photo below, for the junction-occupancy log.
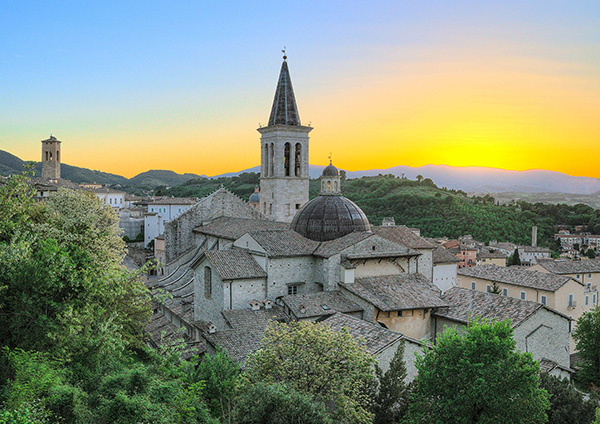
(328, 185)
(286, 159)
(272, 161)
(207, 282)
(297, 159)
(57, 156)
(265, 163)
(50, 155)
(335, 188)
(46, 155)
(322, 185)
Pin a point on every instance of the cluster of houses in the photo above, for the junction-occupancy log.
(572, 244)
(232, 267)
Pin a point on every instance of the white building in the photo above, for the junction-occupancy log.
(162, 211)
(445, 266)
(108, 196)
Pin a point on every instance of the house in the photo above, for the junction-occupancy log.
(537, 329)
(491, 258)
(561, 293)
(586, 271)
(445, 265)
(530, 255)
(161, 211)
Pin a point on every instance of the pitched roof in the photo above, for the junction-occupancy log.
(516, 276)
(245, 336)
(284, 110)
(333, 247)
(403, 235)
(491, 255)
(397, 292)
(464, 304)
(571, 267)
(372, 337)
(441, 255)
(319, 304)
(284, 243)
(235, 264)
(233, 228)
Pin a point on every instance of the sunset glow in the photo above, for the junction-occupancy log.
(185, 87)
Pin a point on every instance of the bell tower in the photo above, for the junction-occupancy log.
(284, 155)
(51, 158)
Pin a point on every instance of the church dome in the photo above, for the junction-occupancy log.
(254, 198)
(329, 217)
(330, 171)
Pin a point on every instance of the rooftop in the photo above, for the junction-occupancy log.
(284, 243)
(397, 292)
(370, 336)
(465, 304)
(517, 276)
(571, 267)
(234, 228)
(319, 304)
(403, 235)
(441, 255)
(235, 264)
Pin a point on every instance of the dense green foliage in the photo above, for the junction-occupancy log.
(278, 403)
(587, 338)
(242, 185)
(316, 361)
(567, 405)
(478, 377)
(390, 402)
(71, 320)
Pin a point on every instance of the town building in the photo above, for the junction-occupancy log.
(491, 258)
(537, 329)
(161, 211)
(445, 266)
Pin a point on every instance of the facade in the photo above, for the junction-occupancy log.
(491, 258)
(530, 255)
(445, 266)
(160, 212)
(114, 198)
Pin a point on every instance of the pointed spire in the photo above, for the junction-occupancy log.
(284, 110)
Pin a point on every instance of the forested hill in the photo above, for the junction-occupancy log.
(436, 211)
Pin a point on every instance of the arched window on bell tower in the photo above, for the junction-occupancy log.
(271, 160)
(286, 158)
(298, 160)
(265, 171)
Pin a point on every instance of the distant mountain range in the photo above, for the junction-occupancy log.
(469, 179)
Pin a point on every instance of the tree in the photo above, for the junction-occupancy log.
(314, 360)
(478, 377)
(419, 178)
(567, 405)
(391, 401)
(590, 253)
(278, 403)
(221, 377)
(514, 259)
(587, 339)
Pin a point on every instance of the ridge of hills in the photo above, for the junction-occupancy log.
(531, 185)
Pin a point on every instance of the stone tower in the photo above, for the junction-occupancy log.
(51, 158)
(284, 155)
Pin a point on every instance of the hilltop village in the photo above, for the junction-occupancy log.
(231, 267)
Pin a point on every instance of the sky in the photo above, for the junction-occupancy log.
(183, 85)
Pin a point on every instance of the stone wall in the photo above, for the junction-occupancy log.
(179, 237)
(444, 276)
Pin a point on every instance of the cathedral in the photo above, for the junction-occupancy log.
(232, 267)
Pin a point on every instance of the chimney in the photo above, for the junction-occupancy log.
(388, 221)
(534, 236)
(268, 304)
(255, 305)
(212, 328)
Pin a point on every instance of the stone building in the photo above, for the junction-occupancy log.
(51, 159)
(537, 329)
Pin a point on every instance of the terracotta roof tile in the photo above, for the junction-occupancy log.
(319, 304)
(516, 276)
(235, 264)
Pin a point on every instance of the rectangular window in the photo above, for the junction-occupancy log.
(587, 300)
(523, 295)
(488, 288)
(505, 292)
(292, 289)
(472, 285)
(594, 299)
(570, 300)
(589, 275)
(544, 300)
(207, 282)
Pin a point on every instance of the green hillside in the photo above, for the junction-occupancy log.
(158, 177)
(436, 211)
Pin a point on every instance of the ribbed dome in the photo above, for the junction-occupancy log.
(328, 218)
(254, 198)
(330, 171)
